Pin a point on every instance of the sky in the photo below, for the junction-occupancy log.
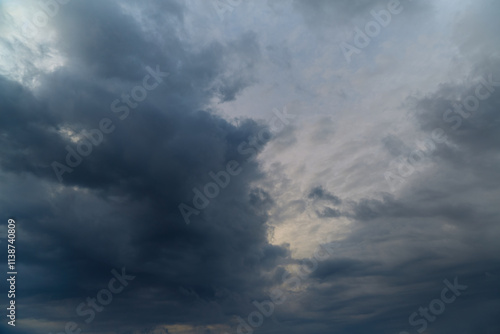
(237, 166)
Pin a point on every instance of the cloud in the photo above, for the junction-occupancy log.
(119, 208)
(321, 177)
(324, 13)
(322, 194)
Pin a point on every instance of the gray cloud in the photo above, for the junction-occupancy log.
(136, 178)
(119, 207)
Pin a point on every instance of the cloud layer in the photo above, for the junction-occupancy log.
(405, 107)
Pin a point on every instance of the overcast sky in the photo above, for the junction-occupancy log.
(342, 154)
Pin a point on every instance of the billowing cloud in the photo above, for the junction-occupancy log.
(144, 145)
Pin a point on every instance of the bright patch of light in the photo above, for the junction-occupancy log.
(26, 50)
(70, 134)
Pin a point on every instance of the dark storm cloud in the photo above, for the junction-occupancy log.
(119, 208)
(341, 267)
